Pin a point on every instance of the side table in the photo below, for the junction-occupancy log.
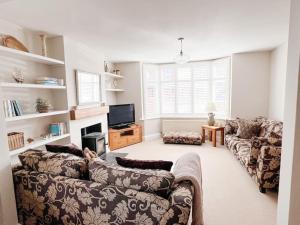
(213, 134)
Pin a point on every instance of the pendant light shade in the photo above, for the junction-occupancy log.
(181, 58)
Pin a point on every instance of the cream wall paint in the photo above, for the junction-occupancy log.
(289, 189)
(152, 129)
(132, 83)
(278, 63)
(250, 84)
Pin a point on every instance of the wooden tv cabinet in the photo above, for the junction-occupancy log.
(119, 138)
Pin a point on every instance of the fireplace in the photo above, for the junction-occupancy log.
(93, 138)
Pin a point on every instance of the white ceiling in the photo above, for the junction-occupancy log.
(146, 30)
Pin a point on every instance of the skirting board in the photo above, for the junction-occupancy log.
(152, 137)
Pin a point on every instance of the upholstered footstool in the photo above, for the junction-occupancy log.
(190, 138)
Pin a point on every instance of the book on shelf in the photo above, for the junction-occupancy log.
(57, 129)
(12, 108)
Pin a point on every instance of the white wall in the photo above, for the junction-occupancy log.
(132, 82)
(289, 189)
(81, 57)
(277, 82)
(250, 84)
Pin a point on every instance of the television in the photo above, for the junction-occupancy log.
(121, 116)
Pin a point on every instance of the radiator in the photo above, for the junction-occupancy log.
(182, 125)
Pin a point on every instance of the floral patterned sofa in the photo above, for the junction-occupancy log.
(54, 188)
(261, 154)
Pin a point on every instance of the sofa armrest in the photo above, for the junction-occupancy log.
(180, 205)
(268, 166)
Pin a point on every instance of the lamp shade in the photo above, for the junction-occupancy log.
(210, 107)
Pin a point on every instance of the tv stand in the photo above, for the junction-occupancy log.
(119, 138)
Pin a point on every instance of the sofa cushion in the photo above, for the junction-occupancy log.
(247, 128)
(243, 151)
(269, 126)
(62, 164)
(231, 126)
(145, 164)
(275, 139)
(70, 148)
(153, 181)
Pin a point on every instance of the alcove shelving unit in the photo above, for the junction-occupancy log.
(110, 79)
(33, 66)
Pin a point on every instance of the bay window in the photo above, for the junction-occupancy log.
(184, 90)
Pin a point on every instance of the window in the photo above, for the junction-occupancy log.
(184, 90)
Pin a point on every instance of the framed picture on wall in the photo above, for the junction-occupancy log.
(88, 87)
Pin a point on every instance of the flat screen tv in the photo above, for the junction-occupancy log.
(121, 116)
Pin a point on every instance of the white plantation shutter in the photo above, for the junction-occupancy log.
(185, 89)
(151, 91)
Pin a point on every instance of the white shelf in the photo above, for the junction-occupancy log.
(37, 86)
(29, 56)
(114, 89)
(113, 75)
(38, 143)
(35, 115)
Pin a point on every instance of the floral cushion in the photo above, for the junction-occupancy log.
(62, 164)
(247, 128)
(269, 126)
(192, 138)
(153, 181)
(231, 127)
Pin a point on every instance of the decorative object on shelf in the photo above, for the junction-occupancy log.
(30, 140)
(181, 58)
(46, 136)
(18, 76)
(61, 82)
(57, 129)
(44, 45)
(15, 140)
(12, 108)
(105, 67)
(118, 72)
(43, 106)
(11, 42)
(210, 108)
(48, 81)
(115, 83)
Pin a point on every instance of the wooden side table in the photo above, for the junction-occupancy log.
(213, 134)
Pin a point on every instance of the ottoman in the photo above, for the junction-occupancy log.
(190, 138)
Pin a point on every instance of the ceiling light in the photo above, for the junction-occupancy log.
(181, 58)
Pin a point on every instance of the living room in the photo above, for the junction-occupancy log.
(157, 84)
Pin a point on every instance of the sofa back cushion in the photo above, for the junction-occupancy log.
(269, 127)
(231, 126)
(247, 128)
(153, 181)
(62, 164)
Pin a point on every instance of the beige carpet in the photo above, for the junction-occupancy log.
(230, 196)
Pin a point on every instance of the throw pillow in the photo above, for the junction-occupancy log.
(247, 128)
(70, 148)
(61, 164)
(152, 181)
(231, 126)
(275, 139)
(145, 164)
